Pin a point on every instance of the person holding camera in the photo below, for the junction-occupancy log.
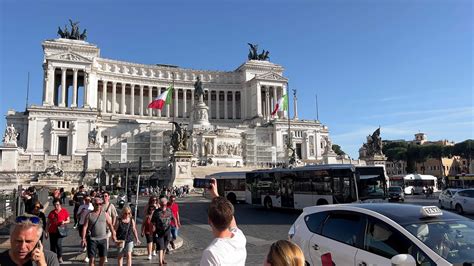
(228, 246)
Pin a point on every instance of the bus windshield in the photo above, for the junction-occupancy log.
(371, 183)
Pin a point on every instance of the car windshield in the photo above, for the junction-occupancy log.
(452, 240)
(395, 189)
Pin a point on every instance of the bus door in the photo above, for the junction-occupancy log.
(221, 187)
(287, 188)
(343, 190)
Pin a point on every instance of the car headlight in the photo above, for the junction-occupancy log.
(291, 232)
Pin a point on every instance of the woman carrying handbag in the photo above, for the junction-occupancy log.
(57, 230)
(126, 230)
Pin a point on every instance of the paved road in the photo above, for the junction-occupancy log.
(261, 227)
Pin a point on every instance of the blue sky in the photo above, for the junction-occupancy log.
(404, 65)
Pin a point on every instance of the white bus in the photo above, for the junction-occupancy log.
(315, 185)
(414, 183)
(230, 185)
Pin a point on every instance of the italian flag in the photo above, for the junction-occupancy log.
(162, 99)
(281, 105)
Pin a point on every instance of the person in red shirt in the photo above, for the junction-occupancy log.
(56, 194)
(147, 230)
(176, 223)
(57, 217)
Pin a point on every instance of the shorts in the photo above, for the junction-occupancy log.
(149, 238)
(128, 247)
(162, 240)
(96, 245)
(174, 232)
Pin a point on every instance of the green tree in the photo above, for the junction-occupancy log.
(337, 149)
(465, 149)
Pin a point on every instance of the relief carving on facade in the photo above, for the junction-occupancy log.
(229, 149)
(209, 147)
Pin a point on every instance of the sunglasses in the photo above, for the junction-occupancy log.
(32, 219)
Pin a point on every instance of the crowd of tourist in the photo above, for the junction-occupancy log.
(97, 222)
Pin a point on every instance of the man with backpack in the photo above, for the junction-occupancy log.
(161, 221)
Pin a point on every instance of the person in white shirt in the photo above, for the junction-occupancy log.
(228, 247)
(82, 212)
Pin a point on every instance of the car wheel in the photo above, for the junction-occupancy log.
(232, 198)
(268, 203)
(322, 202)
(459, 209)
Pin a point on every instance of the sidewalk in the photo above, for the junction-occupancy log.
(72, 251)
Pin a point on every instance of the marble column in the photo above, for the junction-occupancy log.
(74, 88)
(114, 96)
(175, 103)
(168, 110)
(122, 101)
(159, 92)
(233, 105)
(275, 100)
(63, 87)
(185, 102)
(192, 99)
(267, 103)
(218, 94)
(209, 98)
(132, 99)
(150, 98)
(104, 96)
(259, 100)
(226, 109)
(141, 100)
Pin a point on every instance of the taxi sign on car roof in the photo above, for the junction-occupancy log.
(430, 211)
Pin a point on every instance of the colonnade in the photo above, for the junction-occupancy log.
(121, 98)
(63, 79)
(269, 99)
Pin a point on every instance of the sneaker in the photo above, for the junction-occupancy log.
(86, 259)
(61, 260)
(172, 244)
(106, 260)
(149, 257)
(154, 252)
(75, 227)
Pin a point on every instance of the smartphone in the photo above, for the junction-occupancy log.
(36, 246)
(202, 183)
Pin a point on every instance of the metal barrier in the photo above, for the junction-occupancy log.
(9, 204)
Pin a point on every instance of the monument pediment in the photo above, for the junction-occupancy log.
(70, 56)
(272, 76)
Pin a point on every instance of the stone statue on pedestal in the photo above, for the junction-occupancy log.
(198, 90)
(10, 137)
(373, 147)
(93, 141)
(179, 137)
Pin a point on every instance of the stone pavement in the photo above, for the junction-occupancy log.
(72, 251)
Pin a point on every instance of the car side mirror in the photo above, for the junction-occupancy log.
(403, 260)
